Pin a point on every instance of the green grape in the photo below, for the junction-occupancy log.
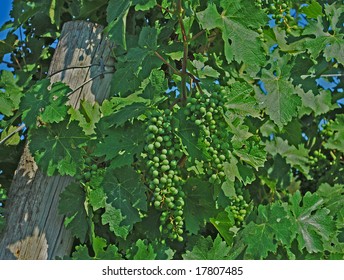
(163, 175)
(238, 207)
(163, 157)
(198, 122)
(87, 175)
(202, 110)
(150, 147)
(209, 118)
(157, 144)
(153, 128)
(94, 167)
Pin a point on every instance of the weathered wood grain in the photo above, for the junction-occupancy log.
(34, 228)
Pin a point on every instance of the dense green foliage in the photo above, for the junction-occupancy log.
(223, 137)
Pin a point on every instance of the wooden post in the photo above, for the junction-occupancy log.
(34, 228)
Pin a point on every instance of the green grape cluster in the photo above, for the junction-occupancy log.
(326, 130)
(324, 164)
(163, 175)
(320, 164)
(322, 159)
(279, 11)
(238, 207)
(92, 171)
(317, 158)
(206, 111)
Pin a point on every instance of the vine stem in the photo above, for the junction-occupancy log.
(196, 81)
(185, 46)
(175, 71)
(163, 8)
(12, 133)
(89, 80)
(197, 35)
(323, 75)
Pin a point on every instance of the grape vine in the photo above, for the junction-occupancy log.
(224, 126)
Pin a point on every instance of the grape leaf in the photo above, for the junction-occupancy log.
(331, 41)
(314, 225)
(150, 62)
(130, 73)
(340, 220)
(295, 156)
(97, 198)
(240, 100)
(144, 251)
(117, 12)
(148, 38)
(223, 222)
(278, 171)
(87, 116)
(158, 80)
(333, 197)
(10, 93)
(144, 5)
(126, 76)
(72, 205)
(336, 141)
(56, 110)
(156, 87)
(228, 187)
(126, 113)
(292, 133)
(81, 253)
(110, 253)
(121, 144)
(235, 169)
(236, 125)
(273, 223)
(240, 42)
(245, 12)
(49, 105)
(89, 8)
(144, 228)
(199, 204)
(188, 132)
(101, 252)
(58, 148)
(280, 103)
(208, 249)
(312, 10)
(113, 217)
(7, 45)
(109, 106)
(125, 192)
(163, 251)
(202, 70)
(251, 151)
(55, 11)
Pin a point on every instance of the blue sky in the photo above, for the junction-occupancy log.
(5, 8)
